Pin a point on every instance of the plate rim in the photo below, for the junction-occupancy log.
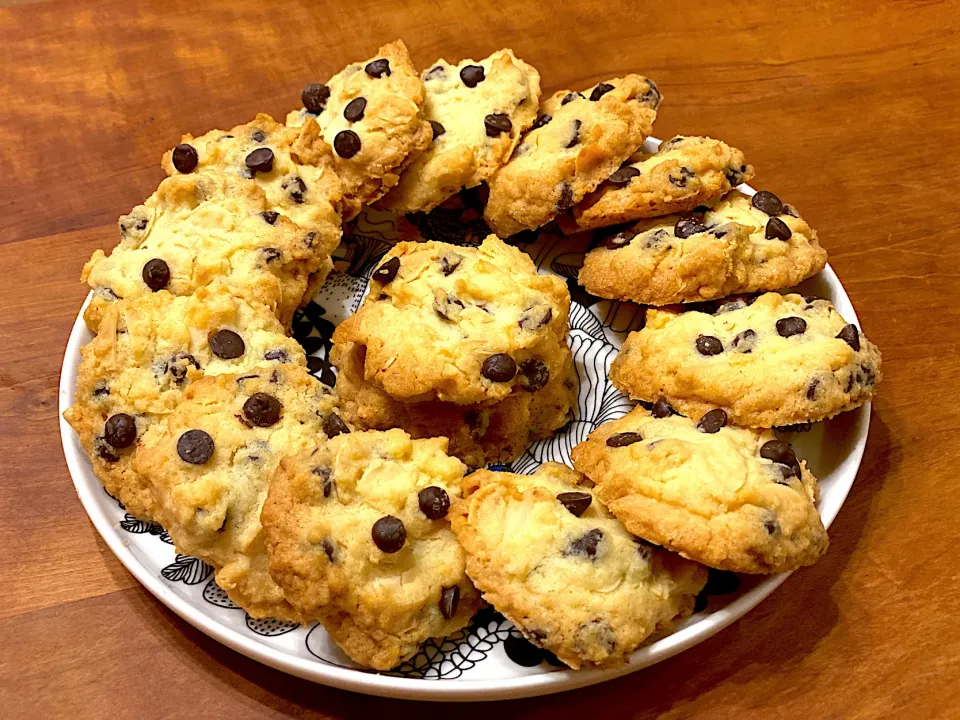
(409, 688)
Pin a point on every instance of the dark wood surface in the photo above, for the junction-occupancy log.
(849, 110)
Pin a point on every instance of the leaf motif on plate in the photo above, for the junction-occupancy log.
(448, 658)
(270, 627)
(215, 595)
(187, 569)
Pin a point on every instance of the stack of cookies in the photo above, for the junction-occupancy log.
(357, 507)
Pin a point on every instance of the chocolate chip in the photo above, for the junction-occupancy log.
(570, 97)
(185, 158)
(565, 202)
(574, 133)
(326, 480)
(450, 262)
(262, 410)
(434, 502)
(600, 90)
(781, 452)
(260, 160)
(389, 534)
(767, 202)
(851, 336)
(624, 439)
(533, 375)
(328, 549)
(541, 121)
(179, 365)
(438, 129)
(652, 96)
(334, 425)
(497, 124)
(472, 75)
(346, 143)
(120, 430)
(771, 525)
(712, 421)
(271, 254)
(536, 317)
(195, 447)
(270, 217)
(661, 408)
(688, 225)
(586, 545)
(258, 136)
(744, 341)
(226, 344)
(156, 274)
(296, 187)
(354, 109)
(435, 73)
(387, 272)
(576, 502)
(314, 97)
(623, 176)
(683, 176)
(790, 210)
(499, 368)
(446, 305)
(104, 451)
(790, 326)
(777, 229)
(378, 68)
(279, 355)
(813, 389)
(449, 601)
(619, 239)
(709, 345)
(733, 176)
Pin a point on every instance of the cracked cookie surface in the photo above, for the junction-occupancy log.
(773, 361)
(546, 553)
(358, 538)
(731, 498)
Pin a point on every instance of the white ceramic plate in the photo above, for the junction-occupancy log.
(475, 663)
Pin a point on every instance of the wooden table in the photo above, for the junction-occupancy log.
(850, 110)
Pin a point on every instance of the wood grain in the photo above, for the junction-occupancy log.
(848, 109)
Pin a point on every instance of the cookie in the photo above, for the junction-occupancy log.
(205, 227)
(358, 538)
(372, 114)
(294, 167)
(147, 352)
(479, 434)
(731, 498)
(460, 324)
(478, 112)
(210, 462)
(547, 554)
(777, 360)
(576, 143)
(734, 247)
(684, 173)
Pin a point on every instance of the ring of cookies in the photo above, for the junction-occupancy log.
(369, 507)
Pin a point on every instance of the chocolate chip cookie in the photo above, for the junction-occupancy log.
(480, 433)
(147, 352)
(547, 553)
(294, 167)
(210, 462)
(684, 173)
(731, 498)
(577, 142)
(372, 114)
(358, 537)
(777, 360)
(734, 247)
(460, 324)
(200, 228)
(478, 111)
